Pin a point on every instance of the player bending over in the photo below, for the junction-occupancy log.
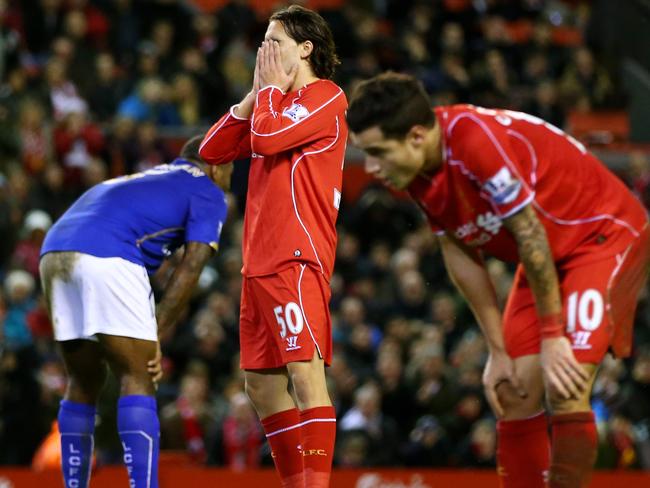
(510, 185)
(95, 263)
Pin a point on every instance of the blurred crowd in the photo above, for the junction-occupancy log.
(91, 89)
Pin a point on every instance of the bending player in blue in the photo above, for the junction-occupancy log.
(95, 263)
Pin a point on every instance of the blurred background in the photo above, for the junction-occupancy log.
(92, 89)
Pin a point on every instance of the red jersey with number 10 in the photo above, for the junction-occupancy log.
(496, 162)
(296, 142)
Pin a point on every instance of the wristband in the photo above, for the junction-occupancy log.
(551, 326)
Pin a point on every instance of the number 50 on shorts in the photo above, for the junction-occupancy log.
(289, 317)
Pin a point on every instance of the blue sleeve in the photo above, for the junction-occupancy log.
(207, 214)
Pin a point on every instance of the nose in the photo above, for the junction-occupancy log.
(371, 165)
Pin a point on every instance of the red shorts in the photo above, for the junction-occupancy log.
(284, 318)
(599, 301)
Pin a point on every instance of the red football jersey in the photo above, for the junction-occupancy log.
(296, 142)
(497, 161)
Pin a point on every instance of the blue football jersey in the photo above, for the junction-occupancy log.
(143, 217)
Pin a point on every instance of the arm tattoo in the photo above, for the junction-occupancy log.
(536, 257)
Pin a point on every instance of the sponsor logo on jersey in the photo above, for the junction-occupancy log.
(503, 187)
(487, 225)
(296, 112)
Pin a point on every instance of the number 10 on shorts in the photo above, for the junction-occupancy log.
(289, 317)
(585, 310)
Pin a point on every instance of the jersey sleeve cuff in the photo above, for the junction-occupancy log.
(272, 87)
(517, 208)
(234, 115)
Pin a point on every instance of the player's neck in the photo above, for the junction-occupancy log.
(303, 78)
(433, 156)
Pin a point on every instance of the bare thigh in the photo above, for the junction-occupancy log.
(128, 359)
(268, 391)
(86, 367)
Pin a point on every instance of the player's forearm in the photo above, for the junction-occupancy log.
(180, 287)
(472, 280)
(177, 295)
(537, 259)
(227, 140)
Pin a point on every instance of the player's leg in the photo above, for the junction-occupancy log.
(312, 331)
(267, 383)
(599, 302)
(523, 444)
(118, 309)
(84, 364)
(86, 371)
(317, 420)
(574, 437)
(137, 415)
(268, 392)
(288, 323)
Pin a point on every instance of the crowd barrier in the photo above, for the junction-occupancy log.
(175, 477)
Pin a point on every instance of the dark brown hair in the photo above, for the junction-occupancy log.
(302, 24)
(391, 101)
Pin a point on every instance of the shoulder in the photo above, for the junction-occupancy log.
(210, 194)
(468, 125)
(323, 91)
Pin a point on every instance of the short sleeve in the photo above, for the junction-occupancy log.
(207, 214)
(482, 146)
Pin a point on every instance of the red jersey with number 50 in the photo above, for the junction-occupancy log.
(296, 142)
(498, 161)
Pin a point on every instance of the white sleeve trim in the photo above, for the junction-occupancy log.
(516, 209)
(301, 120)
(234, 115)
(272, 87)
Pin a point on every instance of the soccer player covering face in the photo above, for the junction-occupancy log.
(94, 266)
(292, 126)
(510, 185)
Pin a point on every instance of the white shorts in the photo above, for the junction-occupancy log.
(110, 296)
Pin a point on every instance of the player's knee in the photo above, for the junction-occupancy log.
(139, 383)
(310, 389)
(258, 390)
(86, 387)
(516, 406)
(508, 397)
(559, 405)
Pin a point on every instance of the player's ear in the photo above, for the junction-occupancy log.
(306, 49)
(417, 135)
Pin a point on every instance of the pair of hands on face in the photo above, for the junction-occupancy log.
(269, 69)
(564, 377)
